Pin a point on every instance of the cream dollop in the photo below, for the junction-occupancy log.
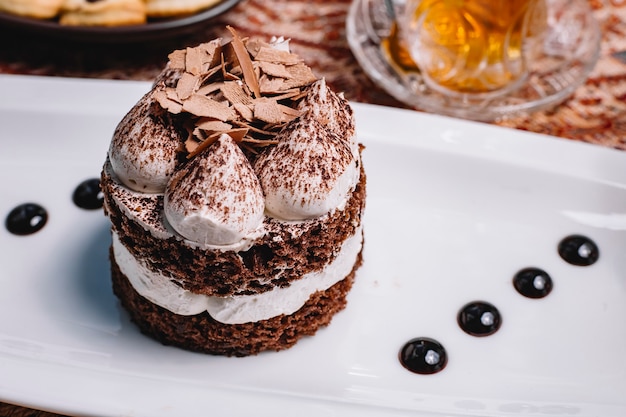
(332, 110)
(314, 166)
(144, 146)
(157, 288)
(161, 290)
(216, 199)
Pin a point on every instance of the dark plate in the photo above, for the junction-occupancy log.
(153, 30)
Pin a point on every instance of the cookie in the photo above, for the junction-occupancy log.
(169, 8)
(103, 13)
(39, 9)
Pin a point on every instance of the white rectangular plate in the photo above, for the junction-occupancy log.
(454, 210)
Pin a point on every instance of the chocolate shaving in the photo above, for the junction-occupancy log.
(294, 92)
(277, 56)
(177, 59)
(205, 106)
(288, 113)
(174, 107)
(209, 89)
(262, 142)
(267, 110)
(194, 60)
(271, 85)
(245, 88)
(274, 70)
(300, 76)
(202, 146)
(235, 93)
(210, 73)
(245, 110)
(237, 134)
(190, 146)
(187, 84)
(213, 51)
(254, 46)
(213, 125)
(245, 63)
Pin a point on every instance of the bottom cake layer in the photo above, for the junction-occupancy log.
(201, 333)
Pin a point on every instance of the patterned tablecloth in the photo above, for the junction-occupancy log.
(596, 113)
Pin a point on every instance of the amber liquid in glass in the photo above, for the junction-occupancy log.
(473, 46)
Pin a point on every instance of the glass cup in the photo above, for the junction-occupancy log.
(473, 47)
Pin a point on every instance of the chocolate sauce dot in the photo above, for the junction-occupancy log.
(579, 250)
(423, 355)
(533, 283)
(479, 318)
(26, 219)
(88, 195)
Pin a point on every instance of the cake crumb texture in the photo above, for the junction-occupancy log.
(201, 333)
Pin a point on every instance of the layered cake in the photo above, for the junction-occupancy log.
(235, 190)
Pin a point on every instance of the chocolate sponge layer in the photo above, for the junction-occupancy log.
(285, 253)
(201, 333)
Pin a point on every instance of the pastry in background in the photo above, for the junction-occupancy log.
(103, 13)
(38, 9)
(106, 13)
(170, 8)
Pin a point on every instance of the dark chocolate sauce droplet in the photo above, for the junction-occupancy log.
(533, 283)
(88, 195)
(579, 250)
(423, 356)
(26, 219)
(479, 318)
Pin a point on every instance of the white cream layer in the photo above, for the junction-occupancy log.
(163, 291)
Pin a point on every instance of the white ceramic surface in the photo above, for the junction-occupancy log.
(454, 210)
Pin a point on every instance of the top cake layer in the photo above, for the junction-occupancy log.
(234, 132)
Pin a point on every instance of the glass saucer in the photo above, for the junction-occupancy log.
(568, 54)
